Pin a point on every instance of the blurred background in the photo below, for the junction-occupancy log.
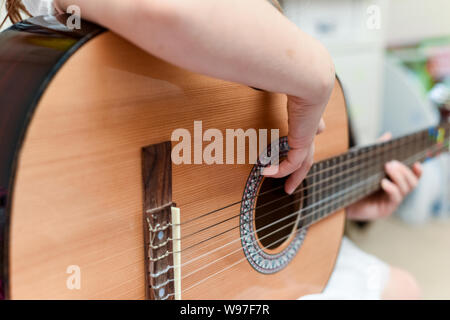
(393, 58)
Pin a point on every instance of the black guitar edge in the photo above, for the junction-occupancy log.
(31, 53)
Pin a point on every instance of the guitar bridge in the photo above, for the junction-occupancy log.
(161, 225)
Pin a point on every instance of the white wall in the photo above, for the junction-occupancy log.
(2, 16)
(411, 21)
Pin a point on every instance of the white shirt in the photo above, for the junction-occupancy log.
(39, 7)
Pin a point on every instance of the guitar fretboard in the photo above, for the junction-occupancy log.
(335, 183)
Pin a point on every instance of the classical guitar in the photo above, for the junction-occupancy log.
(92, 207)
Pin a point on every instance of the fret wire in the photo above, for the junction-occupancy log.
(369, 188)
(373, 168)
(413, 151)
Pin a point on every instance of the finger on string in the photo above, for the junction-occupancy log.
(296, 191)
(243, 259)
(409, 176)
(418, 169)
(393, 169)
(294, 161)
(392, 190)
(273, 201)
(273, 223)
(297, 177)
(385, 137)
(274, 171)
(265, 192)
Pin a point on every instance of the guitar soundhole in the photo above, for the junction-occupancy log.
(275, 218)
(270, 228)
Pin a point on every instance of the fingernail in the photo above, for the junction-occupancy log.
(392, 164)
(289, 190)
(271, 170)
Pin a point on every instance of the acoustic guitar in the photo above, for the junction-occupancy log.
(92, 207)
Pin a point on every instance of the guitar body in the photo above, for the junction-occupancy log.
(75, 194)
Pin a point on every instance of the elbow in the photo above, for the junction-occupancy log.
(323, 76)
(326, 78)
(329, 78)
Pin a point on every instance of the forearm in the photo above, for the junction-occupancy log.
(243, 41)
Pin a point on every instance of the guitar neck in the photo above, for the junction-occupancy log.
(337, 182)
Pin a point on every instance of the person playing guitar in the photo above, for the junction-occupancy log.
(252, 43)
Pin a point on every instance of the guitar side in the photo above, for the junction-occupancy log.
(31, 52)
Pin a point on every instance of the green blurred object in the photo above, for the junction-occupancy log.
(416, 59)
(62, 44)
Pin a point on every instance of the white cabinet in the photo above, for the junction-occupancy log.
(361, 73)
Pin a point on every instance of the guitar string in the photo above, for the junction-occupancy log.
(308, 176)
(240, 260)
(312, 194)
(271, 202)
(245, 258)
(234, 264)
(223, 257)
(419, 156)
(391, 146)
(351, 170)
(301, 218)
(372, 161)
(240, 249)
(275, 222)
(352, 190)
(422, 154)
(212, 237)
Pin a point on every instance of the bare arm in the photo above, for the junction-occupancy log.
(248, 42)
